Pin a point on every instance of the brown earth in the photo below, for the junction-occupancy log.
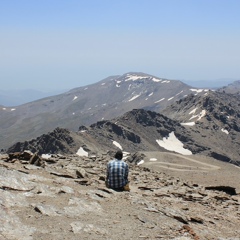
(195, 169)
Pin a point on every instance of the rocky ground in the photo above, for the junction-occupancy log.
(64, 197)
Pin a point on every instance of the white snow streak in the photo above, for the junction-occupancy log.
(170, 98)
(134, 78)
(13, 109)
(117, 145)
(150, 94)
(193, 116)
(201, 115)
(156, 79)
(193, 111)
(171, 143)
(75, 97)
(179, 93)
(188, 124)
(159, 100)
(133, 98)
(165, 81)
(196, 90)
(199, 90)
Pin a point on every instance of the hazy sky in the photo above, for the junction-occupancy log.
(62, 44)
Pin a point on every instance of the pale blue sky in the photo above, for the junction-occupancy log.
(56, 44)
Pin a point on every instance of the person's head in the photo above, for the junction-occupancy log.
(119, 155)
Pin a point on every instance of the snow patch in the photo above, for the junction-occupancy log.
(81, 152)
(165, 81)
(199, 90)
(150, 94)
(134, 78)
(170, 98)
(75, 97)
(13, 109)
(194, 116)
(141, 162)
(225, 131)
(179, 93)
(171, 143)
(188, 124)
(133, 98)
(46, 156)
(201, 115)
(193, 111)
(103, 83)
(117, 145)
(156, 79)
(159, 100)
(153, 159)
(125, 155)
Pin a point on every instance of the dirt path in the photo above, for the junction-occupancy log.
(195, 168)
(200, 166)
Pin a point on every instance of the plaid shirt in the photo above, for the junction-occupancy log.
(117, 173)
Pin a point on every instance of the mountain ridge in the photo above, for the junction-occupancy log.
(106, 99)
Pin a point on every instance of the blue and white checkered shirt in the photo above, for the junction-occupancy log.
(117, 174)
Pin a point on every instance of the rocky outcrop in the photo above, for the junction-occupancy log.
(213, 121)
(59, 140)
(56, 202)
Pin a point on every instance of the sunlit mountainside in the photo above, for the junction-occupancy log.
(106, 99)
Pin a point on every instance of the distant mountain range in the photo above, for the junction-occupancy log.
(19, 97)
(233, 88)
(115, 113)
(106, 99)
(96, 116)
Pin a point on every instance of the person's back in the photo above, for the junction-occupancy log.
(117, 173)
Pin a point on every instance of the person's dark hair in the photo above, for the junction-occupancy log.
(119, 155)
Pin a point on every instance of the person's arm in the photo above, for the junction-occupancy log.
(107, 174)
(126, 173)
